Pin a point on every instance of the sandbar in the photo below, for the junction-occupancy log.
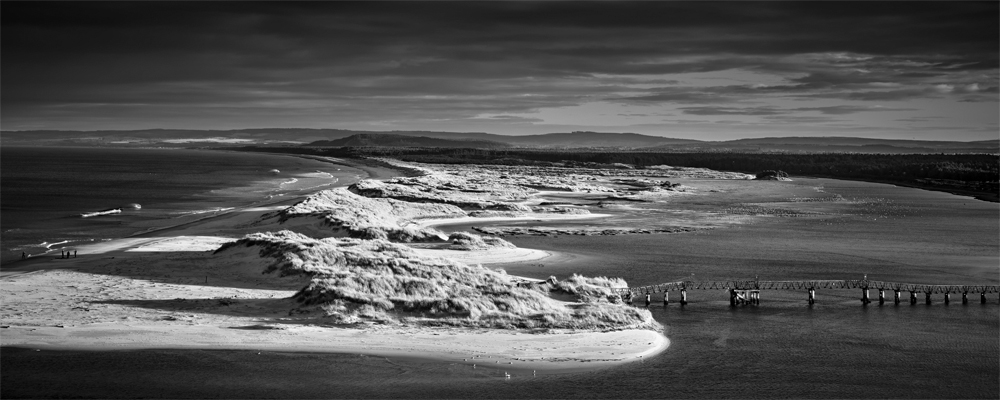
(154, 291)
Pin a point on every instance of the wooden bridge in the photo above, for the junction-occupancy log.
(748, 291)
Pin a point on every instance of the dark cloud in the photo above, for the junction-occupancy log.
(375, 61)
(842, 110)
(771, 111)
(799, 119)
(732, 111)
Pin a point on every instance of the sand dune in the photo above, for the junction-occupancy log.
(167, 289)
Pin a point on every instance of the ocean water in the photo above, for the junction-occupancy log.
(44, 191)
(783, 348)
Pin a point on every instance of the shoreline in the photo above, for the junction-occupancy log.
(158, 323)
(982, 196)
(146, 291)
(560, 352)
(271, 201)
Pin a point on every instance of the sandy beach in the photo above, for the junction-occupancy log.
(166, 290)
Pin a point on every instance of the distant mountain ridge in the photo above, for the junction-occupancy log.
(393, 140)
(566, 140)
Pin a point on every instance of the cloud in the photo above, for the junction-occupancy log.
(848, 109)
(799, 119)
(82, 64)
(732, 111)
(772, 111)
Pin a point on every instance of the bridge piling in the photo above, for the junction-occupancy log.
(748, 292)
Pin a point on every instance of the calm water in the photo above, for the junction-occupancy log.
(44, 191)
(782, 348)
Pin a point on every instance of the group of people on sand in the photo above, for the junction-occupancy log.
(62, 254)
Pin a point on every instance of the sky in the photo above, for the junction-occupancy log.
(705, 70)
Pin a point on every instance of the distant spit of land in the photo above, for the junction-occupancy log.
(564, 140)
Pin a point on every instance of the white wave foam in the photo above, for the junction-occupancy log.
(56, 243)
(99, 213)
(212, 210)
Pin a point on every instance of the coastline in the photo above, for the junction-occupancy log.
(36, 224)
(977, 195)
(146, 292)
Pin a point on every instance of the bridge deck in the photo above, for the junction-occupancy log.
(806, 285)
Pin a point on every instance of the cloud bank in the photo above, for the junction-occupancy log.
(505, 67)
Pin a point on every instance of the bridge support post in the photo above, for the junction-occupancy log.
(881, 296)
(947, 298)
(928, 298)
(896, 296)
(812, 296)
(965, 297)
(732, 297)
(913, 297)
(864, 296)
(666, 298)
(684, 297)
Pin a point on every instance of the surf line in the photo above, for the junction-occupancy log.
(103, 212)
(116, 210)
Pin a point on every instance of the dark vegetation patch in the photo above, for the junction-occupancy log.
(972, 174)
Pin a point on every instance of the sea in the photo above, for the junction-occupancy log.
(782, 348)
(55, 198)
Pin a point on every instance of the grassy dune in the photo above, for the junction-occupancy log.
(471, 241)
(361, 217)
(434, 189)
(354, 280)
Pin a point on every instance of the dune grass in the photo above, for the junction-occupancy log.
(354, 280)
(366, 218)
(470, 241)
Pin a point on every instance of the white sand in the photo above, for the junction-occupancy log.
(182, 243)
(160, 292)
(491, 256)
(430, 222)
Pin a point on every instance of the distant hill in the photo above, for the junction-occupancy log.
(563, 140)
(838, 145)
(594, 139)
(394, 140)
